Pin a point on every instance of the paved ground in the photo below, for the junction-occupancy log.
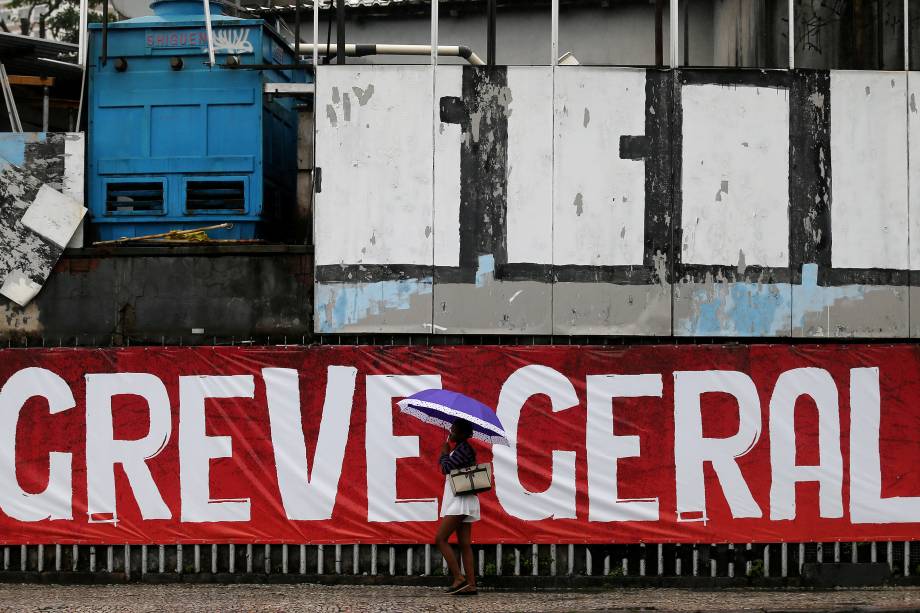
(293, 598)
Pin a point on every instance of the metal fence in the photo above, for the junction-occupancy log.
(133, 562)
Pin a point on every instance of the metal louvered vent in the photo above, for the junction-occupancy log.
(134, 198)
(206, 196)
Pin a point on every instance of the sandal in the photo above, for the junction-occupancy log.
(454, 588)
(466, 590)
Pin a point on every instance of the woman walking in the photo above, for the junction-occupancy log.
(458, 512)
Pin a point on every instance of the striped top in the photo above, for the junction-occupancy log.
(462, 456)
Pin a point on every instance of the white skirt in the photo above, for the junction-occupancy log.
(467, 505)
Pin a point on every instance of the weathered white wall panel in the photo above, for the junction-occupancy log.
(735, 175)
(913, 183)
(599, 199)
(869, 161)
(374, 143)
(74, 176)
(448, 139)
(913, 177)
(530, 165)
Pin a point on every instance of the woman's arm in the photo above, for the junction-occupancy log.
(462, 455)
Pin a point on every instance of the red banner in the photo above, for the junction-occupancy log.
(610, 445)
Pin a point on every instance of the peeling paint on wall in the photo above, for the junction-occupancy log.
(717, 307)
(340, 307)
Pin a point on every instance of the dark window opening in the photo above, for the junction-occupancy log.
(206, 196)
(134, 197)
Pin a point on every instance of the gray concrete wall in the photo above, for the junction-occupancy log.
(94, 297)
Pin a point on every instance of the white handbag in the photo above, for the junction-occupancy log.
(471, 480)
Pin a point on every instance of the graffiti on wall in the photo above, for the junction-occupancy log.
(597, 200)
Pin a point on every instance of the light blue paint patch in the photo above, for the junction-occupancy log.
(13, 145)
(745, 309)
(751, 309)
(810, 298)
(485, 270)
(341, 304)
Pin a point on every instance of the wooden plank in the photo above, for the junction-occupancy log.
(30, 80)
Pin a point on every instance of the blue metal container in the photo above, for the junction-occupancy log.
(174, 143)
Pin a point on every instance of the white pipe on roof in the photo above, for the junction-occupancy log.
(361, 50)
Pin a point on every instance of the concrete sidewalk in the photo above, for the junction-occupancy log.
(192, 598)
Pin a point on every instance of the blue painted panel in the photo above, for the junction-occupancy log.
(177, 130)
(222, 138)
(124, 129)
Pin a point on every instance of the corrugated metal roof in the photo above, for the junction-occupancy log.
(29, 55)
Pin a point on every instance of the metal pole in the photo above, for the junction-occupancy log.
(82, 39)
(15, 124)
(207, 23)
(45, 105)
(554, 34)
(490, 34)
(906, 34)
(296, 31)
(659, 32)
(315, 36)
(792, 34)
(340, 32)
(105, 31)
(674, 18)
(434, 40)
(880, 33)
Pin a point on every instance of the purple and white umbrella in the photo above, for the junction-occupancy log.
(443, 408)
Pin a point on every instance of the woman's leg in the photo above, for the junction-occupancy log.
(449, 524)
(464, 537)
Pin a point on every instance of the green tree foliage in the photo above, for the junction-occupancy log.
(62, 19)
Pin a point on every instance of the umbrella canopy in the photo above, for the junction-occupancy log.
(443, 408)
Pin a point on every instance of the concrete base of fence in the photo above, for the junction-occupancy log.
(845, 574)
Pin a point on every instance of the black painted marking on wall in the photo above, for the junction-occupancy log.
(659, 185)
(733, 273)
(779, 79)
(675, 167)
(484, 166)
(810, 172)
(452, 110)
(634, 147)
(371, 273)
(522, 271)
(482, 114)
(864, 276)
